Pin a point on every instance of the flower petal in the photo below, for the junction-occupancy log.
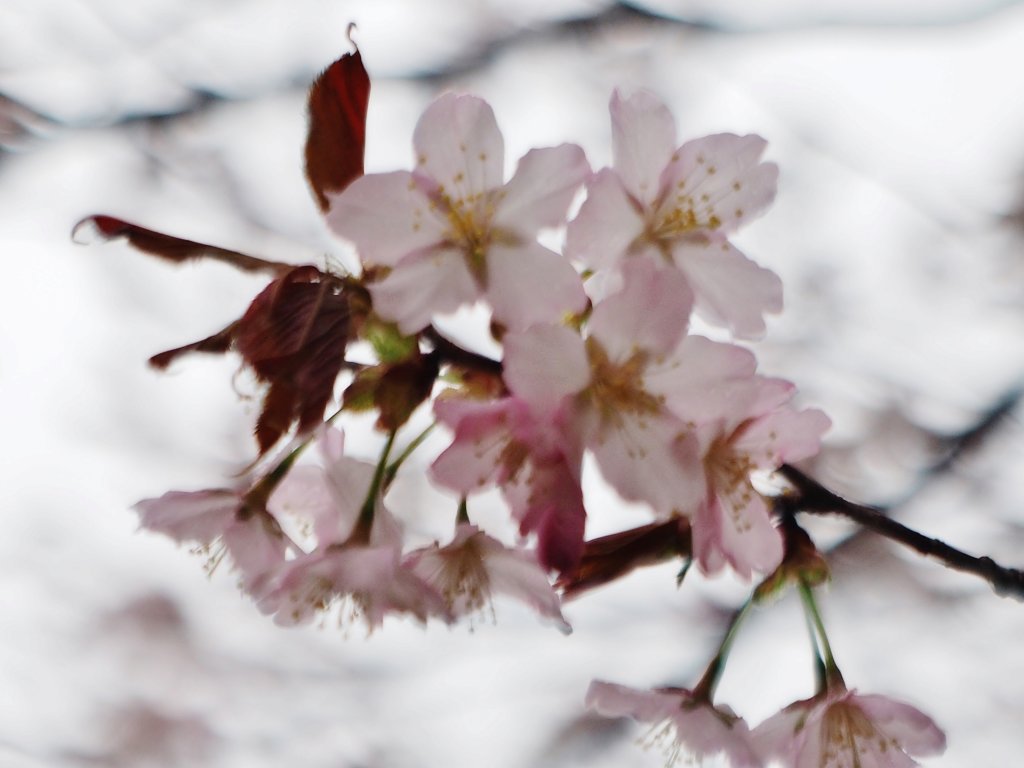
(722, 179)
(515, 572)
(606, 226)
(528, 284)
(458, 144)
(733, 526)
(190, 515)
(421, 286)
(544, 364)
(783, 436)
(913, 730)
(386, 217)
(643, 140)
(482, 433)
(731, 290)
(650, 313)
(544, 184)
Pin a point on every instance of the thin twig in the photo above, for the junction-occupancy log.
(814, 498)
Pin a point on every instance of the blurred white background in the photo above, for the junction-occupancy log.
(899, 129)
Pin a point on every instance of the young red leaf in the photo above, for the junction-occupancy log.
(337, 127)
(294, 336)
(168, 247)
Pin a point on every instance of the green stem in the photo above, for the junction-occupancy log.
(705, 689)
(361, 531)
(826, 661)
(392, 469)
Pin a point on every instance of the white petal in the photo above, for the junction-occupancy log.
(703, 380)
(528, 284)
(544, 184)
(736, 527)
(458, 144)
(650, 313)
(643, 140)
(783, 436)
(190, 515)
(421, 286)
(544, 364)
(721, 179)
(386, 217)
(914, 731)
(606, 226)
(731, 290)
(612, 700)
(517, 574)
(649, 458)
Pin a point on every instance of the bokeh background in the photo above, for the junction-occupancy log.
(899, 129)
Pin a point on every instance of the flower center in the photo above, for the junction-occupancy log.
(729, 473)
(617, 389)
(470, 229)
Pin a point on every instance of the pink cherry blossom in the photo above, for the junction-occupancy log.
(732, 525)
(638, 389)
(844, 729)
(221, 522)
(474, 566)
(452, 232)
(678, 205)
(529, 454)
(683, 724)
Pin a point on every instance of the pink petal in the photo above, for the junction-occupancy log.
(303, 493)
(649, 458)
(458, 144)
(606, 226)
(421, 286)
(913, 730)
(612, 700)
(548, 501)
(783, 436)
(257, 550)
(515, 572)
(528, 284)
(643, 140)
(198, 516)
(541, 190)
(482, 434)
(385, 217)
(544, 364)
(650, 313)
(735, 527)
(703, 380)
(731, 290)
(721, 179)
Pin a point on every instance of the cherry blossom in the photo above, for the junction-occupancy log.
(678, 205)
(528, 453)
(356, 565)
(474, 566)
(221, 521)
(683, 723)
(844, 729)
(640, 386)
(732, 524)
(451, 232)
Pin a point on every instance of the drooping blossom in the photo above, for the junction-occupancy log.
(221, 522)
(474, 566)
(678, 205)
(356, 566)
(683, 724)
(732, 524)
(529, 454)
(843, 729)
(452, 231)
(639, 385)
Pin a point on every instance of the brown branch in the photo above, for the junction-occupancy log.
(814, 498)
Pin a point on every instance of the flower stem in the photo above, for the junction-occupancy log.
(828, 670)
(393, 467)
(361, 531)
(705, 689)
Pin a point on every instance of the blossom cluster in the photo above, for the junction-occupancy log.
(599, 357)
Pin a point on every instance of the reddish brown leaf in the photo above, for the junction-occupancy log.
(337, 127)
(218, 343)
(294, 336)
(168, 247)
